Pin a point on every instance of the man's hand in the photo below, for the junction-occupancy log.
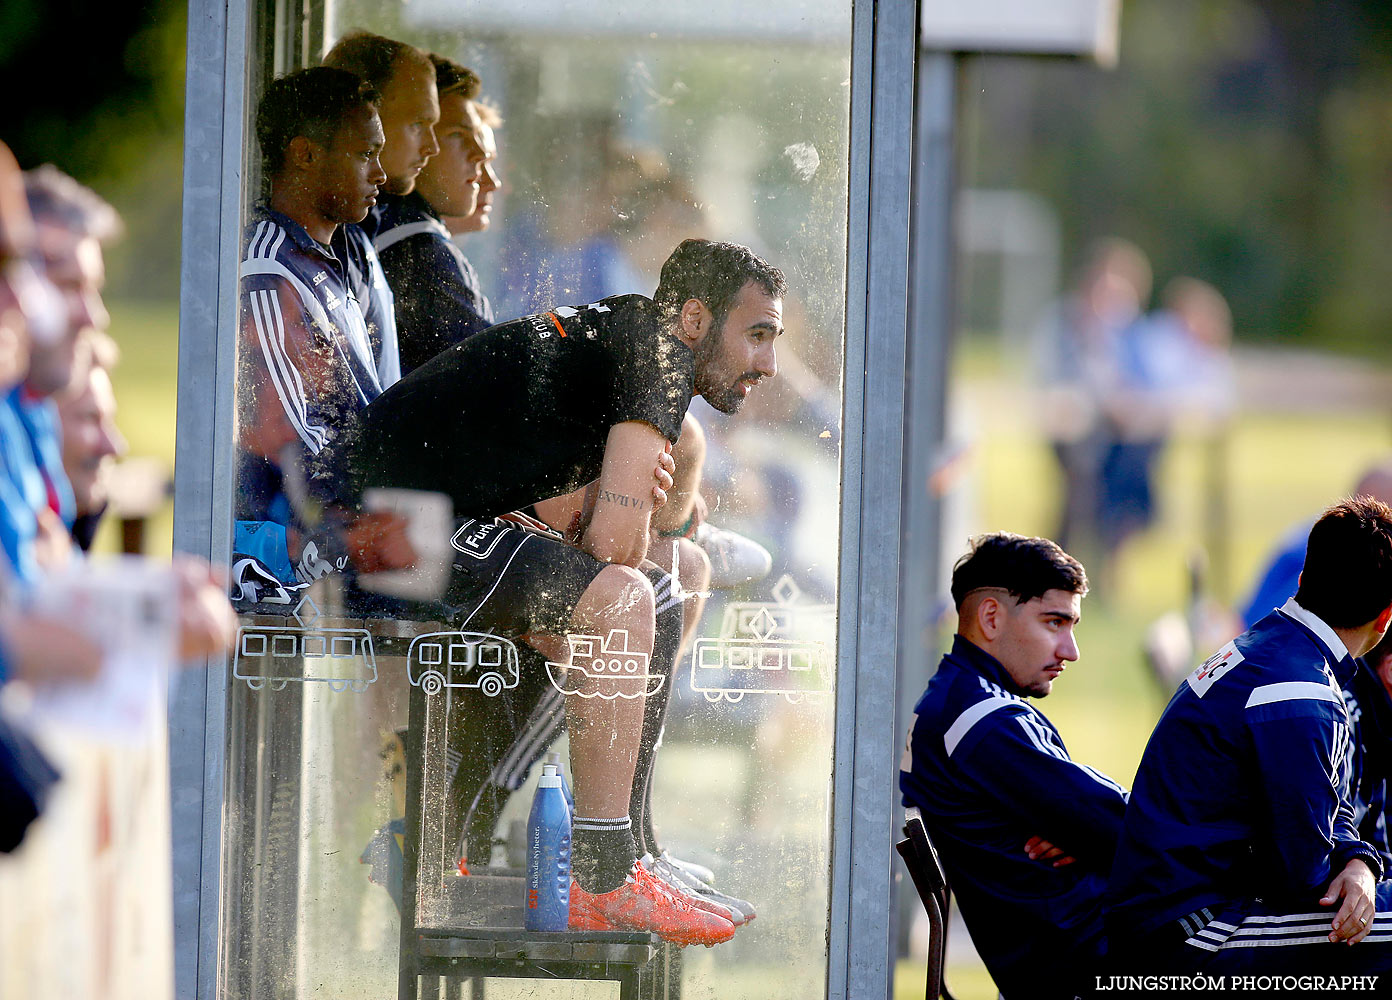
(666, 466)
(379, 542)
(52, 544)
(207, 624)
(47, 651)
(1040, 849)
(1358, 889)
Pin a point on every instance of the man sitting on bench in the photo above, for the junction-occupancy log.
(539, 407)
(992, 777)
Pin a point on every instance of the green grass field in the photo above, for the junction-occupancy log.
(146, 381)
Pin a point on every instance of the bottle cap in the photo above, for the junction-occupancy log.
(549, 777)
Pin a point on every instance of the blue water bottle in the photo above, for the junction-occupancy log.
(555, 758)
(547, 906)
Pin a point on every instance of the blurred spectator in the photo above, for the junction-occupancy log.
(1075, 350)
(1282, 573)
(438, 298)
(1169, 365)
(71, 223)
(91, 439)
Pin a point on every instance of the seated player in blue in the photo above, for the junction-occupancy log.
(1026, 834)
(438, 298)
(1239, 853)
(309, 362)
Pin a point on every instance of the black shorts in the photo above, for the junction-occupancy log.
(510, 581)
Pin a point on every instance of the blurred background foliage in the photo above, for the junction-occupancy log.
(1245, 143)
(98, 90)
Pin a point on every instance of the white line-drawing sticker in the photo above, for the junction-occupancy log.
(439, 660)
(604, 668)
(782, 647)
(275, 655)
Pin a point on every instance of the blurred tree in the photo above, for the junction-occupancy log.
(99, 91)
(1244, 143)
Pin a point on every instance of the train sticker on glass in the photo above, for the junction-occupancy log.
(779, 647)
(276, 655)
(478, 660)
(604, 668)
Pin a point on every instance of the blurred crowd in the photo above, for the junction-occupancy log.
(58, 439)
(1117, 378)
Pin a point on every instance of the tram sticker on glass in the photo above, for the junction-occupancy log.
(128, 606)
(780, 647)
(272, 656)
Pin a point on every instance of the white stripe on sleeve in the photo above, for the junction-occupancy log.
(971, 717)
(1270, 694)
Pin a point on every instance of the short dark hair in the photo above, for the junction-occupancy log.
(310, 103)
(1024, 567)
(714, 273)
(1347, 577)
(454, 78)
(374, 58)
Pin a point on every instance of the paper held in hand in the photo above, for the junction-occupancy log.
(129, 607)
(429, 524)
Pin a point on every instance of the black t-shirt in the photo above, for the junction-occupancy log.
(521, 412)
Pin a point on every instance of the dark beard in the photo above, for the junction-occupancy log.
(726, 399)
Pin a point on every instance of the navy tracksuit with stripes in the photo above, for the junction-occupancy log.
(1240, 816)
(988, 771)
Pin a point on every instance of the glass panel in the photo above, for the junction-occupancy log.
(406, 661)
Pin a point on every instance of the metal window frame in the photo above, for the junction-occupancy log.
(884, 33)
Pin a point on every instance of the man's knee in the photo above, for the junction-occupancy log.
(619, 597)
(693, 565)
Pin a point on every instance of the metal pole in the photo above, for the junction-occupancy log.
(203, 463)
(926, 377)
(882, 95)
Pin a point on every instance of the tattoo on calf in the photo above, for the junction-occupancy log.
(623, 500)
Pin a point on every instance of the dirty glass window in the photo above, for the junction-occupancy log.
(465, 387)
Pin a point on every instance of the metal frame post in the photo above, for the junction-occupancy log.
(883, 52)
(203, 462)
(931, 320)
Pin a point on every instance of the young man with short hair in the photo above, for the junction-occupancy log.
(1026, 834)
(404, 77)
(1239, 853)
(308, 359)
(438, 298)
(542, 406)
